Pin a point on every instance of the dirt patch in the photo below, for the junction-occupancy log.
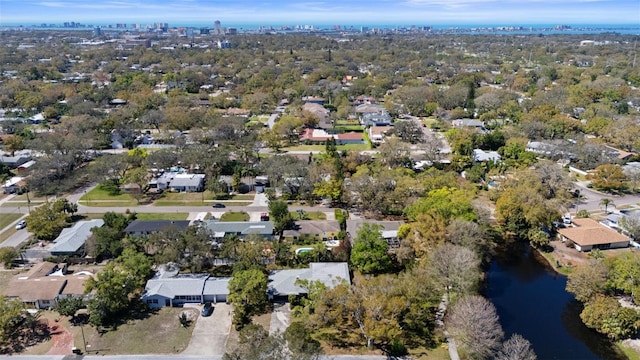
(632, 344)
(568, 256)
(61, 338)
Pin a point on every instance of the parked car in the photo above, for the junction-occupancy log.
(21, 225)
(207, 310)
(218, 206)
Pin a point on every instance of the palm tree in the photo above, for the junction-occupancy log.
(606, 202)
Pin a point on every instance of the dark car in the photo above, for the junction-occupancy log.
(207, 310)
(218, 206)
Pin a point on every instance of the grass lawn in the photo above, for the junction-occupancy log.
(356, 128)
(631, 353)
(554, 264)
(310, 215)
(162, 216)
(202, 199)
(235, 216)
(99, 197)
(159, 333)
(7, 219)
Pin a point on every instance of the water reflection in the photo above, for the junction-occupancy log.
(531, 300)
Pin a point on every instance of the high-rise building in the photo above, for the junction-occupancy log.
(97, 31)
(218, 28)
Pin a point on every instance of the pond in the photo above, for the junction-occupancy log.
(531, 300)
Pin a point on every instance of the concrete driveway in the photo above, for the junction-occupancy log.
(210, 333)
(280, 318)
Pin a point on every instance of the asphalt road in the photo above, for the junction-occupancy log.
(591, 199)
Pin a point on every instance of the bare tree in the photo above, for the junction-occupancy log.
(631, 225)
(468, 234)
(474, 323)
(516, 348)
(457, 268)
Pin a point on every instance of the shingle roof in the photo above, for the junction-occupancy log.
(73, 238)
(240, 227)
(155, 225)
(28, 290)
(282, 282)
(590, 232)
(216, 286)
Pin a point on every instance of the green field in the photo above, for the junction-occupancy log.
(99, 197)
(162, 216)
(235, 216)
(7, 219)
(309, 215)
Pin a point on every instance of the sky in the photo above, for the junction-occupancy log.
(327, 12)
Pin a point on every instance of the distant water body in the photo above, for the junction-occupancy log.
(502, 29)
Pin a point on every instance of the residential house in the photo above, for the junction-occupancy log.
(378, 133)
(180, 182)
(147, 227)
(12, 185)
(319, 136)
(16, 159)
(320, 112)
(313, 100)
(170, 288)
(468, 123)
(324, 230)
(26, 166)
(389, 230)
(480, 155)
(587, 234)
(222, 229)
(71, 241)
(376, 119)
(45, 283)
(282, 283)
(618, 154)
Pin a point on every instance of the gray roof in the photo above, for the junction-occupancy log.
(72, 239)
(148, 226)
(187, 180)
(216, 286)
(188, 284)
(353, 226)
(282, 282)
(482, 156)
(240, 227)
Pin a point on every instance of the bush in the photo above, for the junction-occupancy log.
(582, 214)
(110, 187)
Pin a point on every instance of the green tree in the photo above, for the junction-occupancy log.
(300, 342)
(248, 295)
(370, 253)
(7, 255)
(606, 202)
(47, 221)
(279, 214)
(624, 274)
(256, 344)
(68, 306)
(120, 283)
(10, 319)
(605, 315)
(609, 178)
(587, 281)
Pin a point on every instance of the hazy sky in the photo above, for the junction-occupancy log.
(289, 12)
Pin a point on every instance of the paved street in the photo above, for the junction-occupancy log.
(591, 199)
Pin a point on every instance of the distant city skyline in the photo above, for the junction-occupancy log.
(328, 12)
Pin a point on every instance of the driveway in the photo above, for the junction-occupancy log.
(210, 333)
(280, 318)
